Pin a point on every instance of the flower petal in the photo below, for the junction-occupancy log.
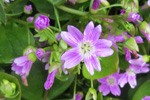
(127, 54)
(115, 90)
(104, 88)
(132, 81)
(70, 38)
(119, 38)
(88, 64)
(104, 52)
(96, 33)
(123, 80)
(76, 33)
(72, 58)
(88, 30)
(50, 79)
(102, 43)
(138, 39)
(20, 60)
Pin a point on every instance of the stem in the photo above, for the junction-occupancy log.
(91, 83)
(18, 21)
(72, 11)
(54, 28)
(29, 37)
(74, 95)
(115, 5)
(45, 94)
(57, 18)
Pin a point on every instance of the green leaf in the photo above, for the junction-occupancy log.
(109, 65)
(14, 39)
(36, 79)
(57, 2)
(99, 96)
(2, 14)
(12, 79)
(59, 87)
(142, 91)
(123, 64)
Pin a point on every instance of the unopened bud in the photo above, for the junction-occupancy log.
(146, 58)
(131, 44)
(91, 94)
(144, 27)
(32, 57)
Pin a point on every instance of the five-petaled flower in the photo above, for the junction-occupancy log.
(110, 84)
(86, 47)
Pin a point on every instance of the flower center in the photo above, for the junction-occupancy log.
(111, 81)
(130, 72)
(86, 48)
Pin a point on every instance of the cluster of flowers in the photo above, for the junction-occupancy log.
(87, 48)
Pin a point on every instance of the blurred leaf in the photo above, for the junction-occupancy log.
(15, 81)
(141, 91)
(59, 87)
(2, 14)
(14, 39)
(99, 96)
(123, 64)
(36, 79)
(109, 65)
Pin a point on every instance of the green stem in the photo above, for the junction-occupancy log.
(45, 94)
(29, 37)
(57, 18)
(91, 83)
(18, 21)
(72, 11)
(54, 28)
(75, 85)
(115, 5)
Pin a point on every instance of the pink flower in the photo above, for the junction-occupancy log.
(50, 80)
(41, 22)
(86, 47)
(136, 66)
(78, 97)
(40, 53)
(146, 98)
(110, 84)
(28, 9)
(22, 65)
(30, 19)
(46, 59)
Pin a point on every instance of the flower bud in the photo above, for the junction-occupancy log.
(91, 94)
(40, 53)
(32, 57)
(95, 6)
(133, 17)
(28, 9)
(63, 44)
(30, 19)
(145, 30)
(144, 27)
(131, 29)
(146, 58)
(72, 2)
(105, 3)
(131, 44)
(41, 22)
(29, 49)
(7, 88)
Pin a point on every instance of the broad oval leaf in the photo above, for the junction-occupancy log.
(143, 90)
(2, 14)
(109, 65)
(13, 40)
